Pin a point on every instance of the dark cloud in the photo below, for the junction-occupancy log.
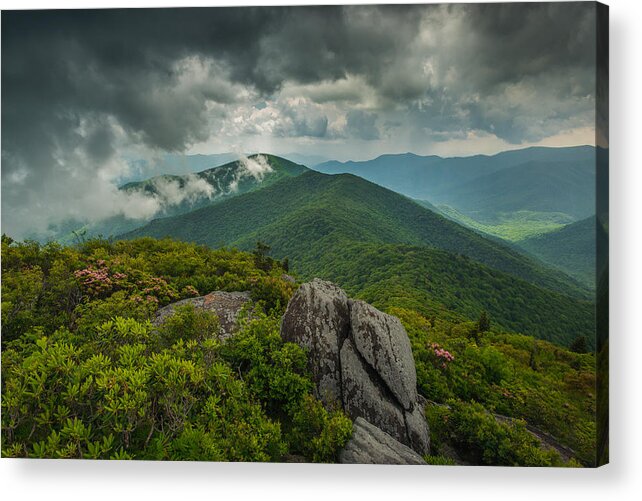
(79, 86)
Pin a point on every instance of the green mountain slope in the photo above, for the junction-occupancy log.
(551, 187)
(315, 219)
(570, 249)
(512, 195)
(302, 216)
(510, 227)
(435, 282)
(231, 178)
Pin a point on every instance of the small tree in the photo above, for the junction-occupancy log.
(579, 345)
(532, 361)
(483, 324)
(285, 264)
(261, 258)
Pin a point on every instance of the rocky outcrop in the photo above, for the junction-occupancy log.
(383, 343)
(226, 305)
(370, 445)
(360, 359)
(318, 319)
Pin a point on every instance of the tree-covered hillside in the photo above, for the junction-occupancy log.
(554, 187)
(571, 249)
(436, 282)
(512, 195)
(311, 215)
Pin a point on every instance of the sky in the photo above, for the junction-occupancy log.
(85, 92)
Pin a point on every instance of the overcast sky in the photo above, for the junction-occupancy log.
(84, 91)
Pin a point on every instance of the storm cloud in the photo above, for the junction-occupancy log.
(83, 91)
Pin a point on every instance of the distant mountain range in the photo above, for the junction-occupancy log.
(326, 225)
(514, 194)
(429, 177)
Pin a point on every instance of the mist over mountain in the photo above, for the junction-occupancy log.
(168, 195)
(176, 164)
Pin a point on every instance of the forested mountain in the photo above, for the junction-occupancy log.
(571, 249)
(300, 216)
(178, 164)
(554, 187)
(435, 282)
(315, 219)
(188, 192)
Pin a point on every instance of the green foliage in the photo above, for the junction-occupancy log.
(84, 373)
(512, 226)
(571, 248)
(317, 433)
(483, 439)
(483, 324)
(579, 345)
(435, 282)
(262, 259)
(439, 460)
(508, 374)
(105, 384)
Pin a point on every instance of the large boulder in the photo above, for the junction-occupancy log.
(383, 343)
(318, 319)
(226, 305)
(360, 359)
(365, 397)
(370, 445)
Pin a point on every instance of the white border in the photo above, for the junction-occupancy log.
(621, 480)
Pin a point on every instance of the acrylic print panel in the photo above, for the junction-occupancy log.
(354, 234)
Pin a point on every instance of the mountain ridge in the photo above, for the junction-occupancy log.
(314, 207)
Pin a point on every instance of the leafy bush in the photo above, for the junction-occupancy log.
(101, 382)
(482, 439)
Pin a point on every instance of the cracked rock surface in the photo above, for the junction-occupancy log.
(370, 445)
(361, 360)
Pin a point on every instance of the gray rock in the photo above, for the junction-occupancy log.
(226, 305)
(288, 278)
(363, 397)
(417, 429)
(360, 359)
(370, 445)
(318, 319)
(383, 343)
